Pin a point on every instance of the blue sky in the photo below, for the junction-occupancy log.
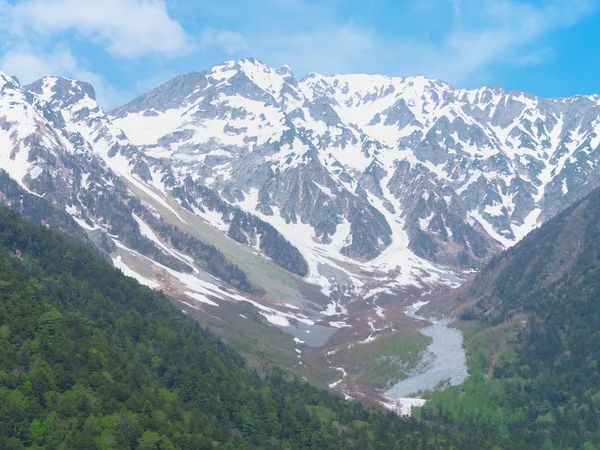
(126, 47)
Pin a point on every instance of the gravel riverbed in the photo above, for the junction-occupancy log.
(445, 359)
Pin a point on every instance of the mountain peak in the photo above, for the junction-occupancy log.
(62, 89)
(251, 60)
(285, 71)
(267, 78)
(240, 64)
(8, 80)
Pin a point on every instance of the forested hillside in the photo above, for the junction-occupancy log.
(521, 278)
(538, 306)
(91, 359)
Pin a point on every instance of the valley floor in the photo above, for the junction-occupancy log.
(384, 353)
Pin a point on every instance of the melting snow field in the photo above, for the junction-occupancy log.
(446, 361)
(132, 273)
(324, 260)
(202, 290)
(403, 406)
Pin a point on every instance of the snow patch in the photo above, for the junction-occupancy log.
(200, 298)
(118, 263)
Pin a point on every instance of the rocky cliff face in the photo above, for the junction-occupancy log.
(366, 160)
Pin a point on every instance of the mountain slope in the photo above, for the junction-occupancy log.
(60, 145)
(564, 250)
(540, 303)
(92, 359)
(337, 174)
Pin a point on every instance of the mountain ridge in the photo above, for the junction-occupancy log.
(514, 223)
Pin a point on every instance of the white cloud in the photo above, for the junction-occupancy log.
(36, 33)
(29, 66)
(127, 28)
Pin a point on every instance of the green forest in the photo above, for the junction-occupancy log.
(90, 359)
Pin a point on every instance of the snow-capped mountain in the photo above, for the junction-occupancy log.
(64, 163)
(351, 164)
(359, 184)
(58, 144)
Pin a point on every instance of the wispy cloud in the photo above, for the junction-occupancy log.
(127, 28)
(510, 34)
(478, 34)
(331, 49)
(228, 41)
